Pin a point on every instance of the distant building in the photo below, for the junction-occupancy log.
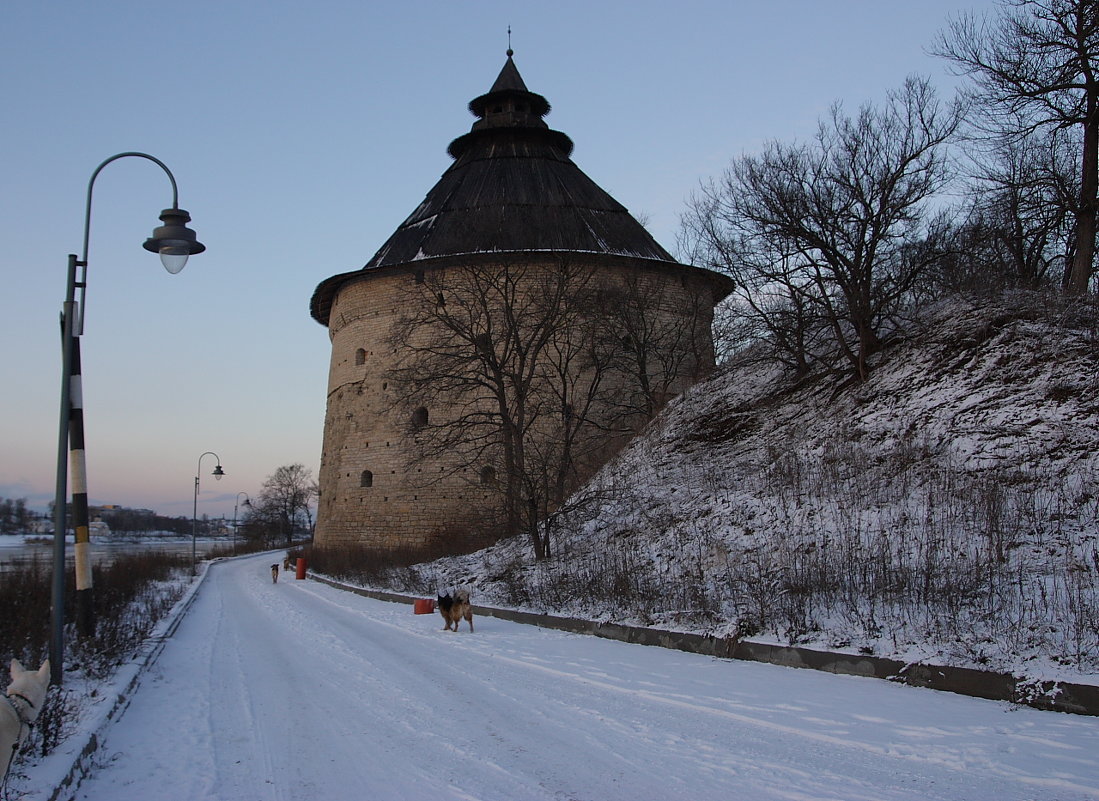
(512, 195)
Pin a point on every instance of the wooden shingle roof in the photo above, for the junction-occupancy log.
(512, 189)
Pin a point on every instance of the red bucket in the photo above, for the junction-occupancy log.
(423, 606)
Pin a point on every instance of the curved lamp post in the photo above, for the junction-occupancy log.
(248, 503)
(174, 241)
(217, 474)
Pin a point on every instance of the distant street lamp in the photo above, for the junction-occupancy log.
(218, 473)
(248, 503)
(174, 241)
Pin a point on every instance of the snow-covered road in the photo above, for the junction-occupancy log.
(301, 691)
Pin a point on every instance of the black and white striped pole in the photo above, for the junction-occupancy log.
(174, 241)
(85, 612)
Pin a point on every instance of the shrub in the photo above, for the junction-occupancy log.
(130, 596)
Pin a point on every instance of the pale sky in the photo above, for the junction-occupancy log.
(301, 135)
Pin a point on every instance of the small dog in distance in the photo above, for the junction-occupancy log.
(275, 573)
(454, 607)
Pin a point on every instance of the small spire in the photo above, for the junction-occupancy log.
(510, 51)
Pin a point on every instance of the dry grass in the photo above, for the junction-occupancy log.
(130, 596)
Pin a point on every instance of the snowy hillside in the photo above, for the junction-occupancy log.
(945, 510)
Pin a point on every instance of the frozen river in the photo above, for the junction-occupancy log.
(15, 550)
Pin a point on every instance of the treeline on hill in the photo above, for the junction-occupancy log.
(15, 517)
(838, 243)
(142, 521)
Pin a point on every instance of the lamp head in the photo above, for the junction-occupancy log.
(218, 473)
(174, 241)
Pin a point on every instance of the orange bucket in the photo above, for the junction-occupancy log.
(423, 606)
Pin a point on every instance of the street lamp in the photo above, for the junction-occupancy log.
(248, 503)
(174, 241)
(218, 473)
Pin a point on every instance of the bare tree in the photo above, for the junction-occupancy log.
(770, 301)
(284, 503)
(1018, 232)
(14, 515)
(819, 237)
(654, 338)
(500, 350)
(1034, 69)
(536, 370)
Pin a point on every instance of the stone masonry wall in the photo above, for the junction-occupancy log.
(395, 504)
(361, 434)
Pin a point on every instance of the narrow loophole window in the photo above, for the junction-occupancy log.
(488, 476)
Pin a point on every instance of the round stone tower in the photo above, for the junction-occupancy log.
(512, 201)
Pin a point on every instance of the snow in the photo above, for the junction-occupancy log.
(24, 539)
(298, 690)
(753, 497)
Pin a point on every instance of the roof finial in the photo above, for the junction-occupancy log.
(510, 51)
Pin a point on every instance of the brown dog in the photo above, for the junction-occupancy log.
(454, 608)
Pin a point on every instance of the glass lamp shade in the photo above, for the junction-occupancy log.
(173, 258)
(218, 473)
(174, 241)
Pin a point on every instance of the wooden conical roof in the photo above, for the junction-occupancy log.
(512, 189)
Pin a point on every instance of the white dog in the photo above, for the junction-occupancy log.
(20, 708)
